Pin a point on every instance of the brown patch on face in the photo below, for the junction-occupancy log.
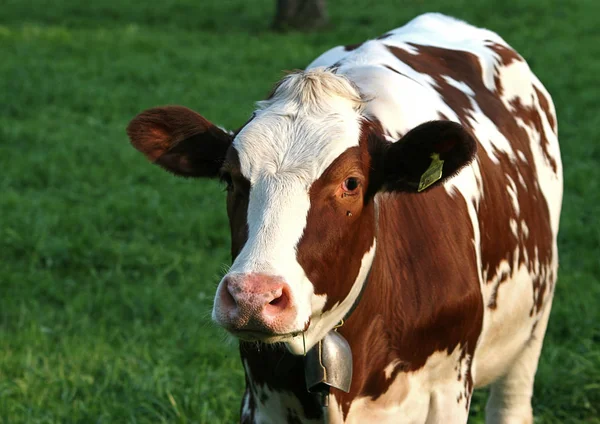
(339, 228)
(238, 193)
(497, 240)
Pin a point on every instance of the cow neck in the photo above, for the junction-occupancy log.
(329, 363)
(318, 362)
(368, 276)
(354, 304)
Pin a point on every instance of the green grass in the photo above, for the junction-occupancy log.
(108, 265)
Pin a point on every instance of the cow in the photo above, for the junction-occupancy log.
(403, 193)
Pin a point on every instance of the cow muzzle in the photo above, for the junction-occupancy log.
(255, 307)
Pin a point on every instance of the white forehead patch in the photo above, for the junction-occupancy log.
(312, 118)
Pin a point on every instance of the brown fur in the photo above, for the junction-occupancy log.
(237, 201)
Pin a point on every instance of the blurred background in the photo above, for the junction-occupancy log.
(108, 265)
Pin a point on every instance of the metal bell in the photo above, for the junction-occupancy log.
(328, 364)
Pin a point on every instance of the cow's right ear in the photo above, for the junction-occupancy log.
(180, 140)
(427, 156)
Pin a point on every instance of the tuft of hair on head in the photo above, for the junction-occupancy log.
(314, 90)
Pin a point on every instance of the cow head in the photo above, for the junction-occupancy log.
(302, 178)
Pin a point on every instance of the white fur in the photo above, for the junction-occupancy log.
(426, 396)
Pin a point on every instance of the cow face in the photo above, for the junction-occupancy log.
(302, 176)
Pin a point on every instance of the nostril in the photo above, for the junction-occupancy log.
(276, 301)
(227, 298)
(278, 304)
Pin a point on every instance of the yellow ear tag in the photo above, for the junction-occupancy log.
(433, 173)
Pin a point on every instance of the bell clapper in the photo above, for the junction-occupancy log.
(325, 398)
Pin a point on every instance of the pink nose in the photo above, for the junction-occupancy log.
(255, 302)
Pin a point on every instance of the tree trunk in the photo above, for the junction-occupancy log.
(300, 14)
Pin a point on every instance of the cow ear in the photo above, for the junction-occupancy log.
(426, 156)
(180, 140)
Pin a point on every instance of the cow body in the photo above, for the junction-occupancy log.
(451, 287)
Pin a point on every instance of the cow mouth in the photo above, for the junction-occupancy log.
(265, 336)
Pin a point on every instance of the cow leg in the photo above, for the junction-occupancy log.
(510, 396)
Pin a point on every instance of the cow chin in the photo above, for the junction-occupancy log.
(296, 342)
(266, 337)
(254, 328)
(297, 336)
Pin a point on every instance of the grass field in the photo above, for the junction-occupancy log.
(108, 265)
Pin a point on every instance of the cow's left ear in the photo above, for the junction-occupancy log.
(425, 157)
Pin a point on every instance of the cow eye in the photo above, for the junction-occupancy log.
(350, 184)
(226, 178)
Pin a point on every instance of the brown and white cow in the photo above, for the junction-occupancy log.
(451, 286)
